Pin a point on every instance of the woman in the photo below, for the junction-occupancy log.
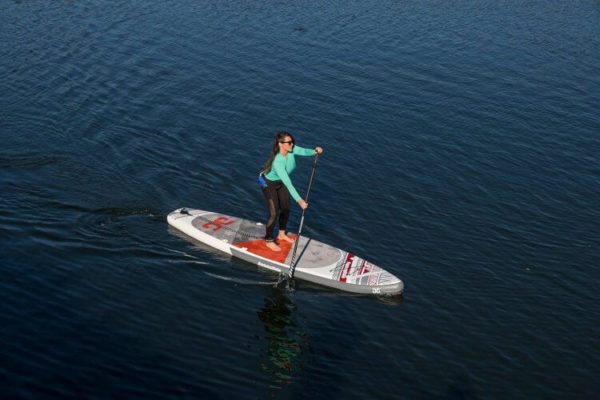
(277, 186)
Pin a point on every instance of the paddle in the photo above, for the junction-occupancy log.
(310, 181)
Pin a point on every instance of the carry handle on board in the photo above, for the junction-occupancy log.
(310, 181)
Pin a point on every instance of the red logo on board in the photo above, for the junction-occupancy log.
(218, 223)
(346, 267)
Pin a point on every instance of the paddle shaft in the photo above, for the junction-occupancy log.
(310, 181)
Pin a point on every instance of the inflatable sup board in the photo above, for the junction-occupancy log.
(315, 261)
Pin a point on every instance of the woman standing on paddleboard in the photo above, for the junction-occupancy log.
(277, 186)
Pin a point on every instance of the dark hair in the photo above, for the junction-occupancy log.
(280, 137)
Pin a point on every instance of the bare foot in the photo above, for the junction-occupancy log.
(285, 237)
(273, 246)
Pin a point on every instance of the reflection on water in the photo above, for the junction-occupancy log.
(287, 345)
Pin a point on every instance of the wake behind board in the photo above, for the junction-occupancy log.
(316, 262)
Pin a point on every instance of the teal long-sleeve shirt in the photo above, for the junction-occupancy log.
(282, 167)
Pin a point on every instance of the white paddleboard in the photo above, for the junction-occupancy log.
(315, 261)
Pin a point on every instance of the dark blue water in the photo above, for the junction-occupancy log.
(462, 144)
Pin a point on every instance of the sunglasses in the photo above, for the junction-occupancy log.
(289, 141)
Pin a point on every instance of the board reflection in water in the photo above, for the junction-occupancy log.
(287, 344)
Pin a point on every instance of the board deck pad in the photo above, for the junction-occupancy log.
(315, 261)
(259, 247)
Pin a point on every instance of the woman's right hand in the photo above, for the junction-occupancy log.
(303, 205)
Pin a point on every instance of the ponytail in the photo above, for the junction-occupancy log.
(278, 139)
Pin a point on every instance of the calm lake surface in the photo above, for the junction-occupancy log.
(462, 150)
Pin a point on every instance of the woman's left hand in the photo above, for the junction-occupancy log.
(319, 150)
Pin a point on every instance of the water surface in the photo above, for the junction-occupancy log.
(461, 154)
